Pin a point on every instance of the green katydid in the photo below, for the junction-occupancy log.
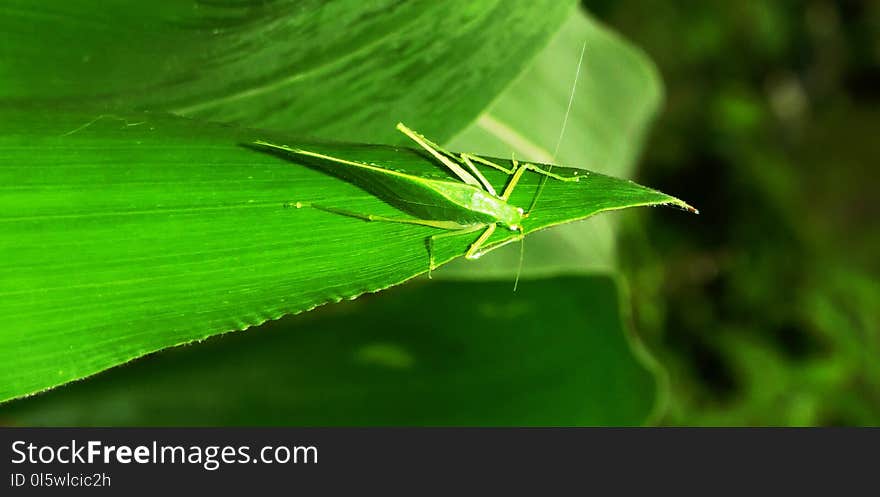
(466, 206)
(460, 207)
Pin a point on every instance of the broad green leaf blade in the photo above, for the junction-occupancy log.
(120, 236)
(342, 69)
(553, 353)
(617, 95)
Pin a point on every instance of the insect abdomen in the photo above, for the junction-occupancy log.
(481, 206)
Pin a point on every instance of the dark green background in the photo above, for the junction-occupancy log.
(765, 311)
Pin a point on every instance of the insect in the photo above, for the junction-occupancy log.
(466, 206)
(460, 207)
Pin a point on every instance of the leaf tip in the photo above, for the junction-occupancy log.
(683, 206)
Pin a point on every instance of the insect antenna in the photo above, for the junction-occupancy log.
(522, 240)
(564, 123)
(522, 253)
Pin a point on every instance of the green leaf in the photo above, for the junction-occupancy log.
(342, 69)
(125, 235)
(617, 95)
(553, 353)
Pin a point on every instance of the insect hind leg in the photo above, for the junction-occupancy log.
(446, 158)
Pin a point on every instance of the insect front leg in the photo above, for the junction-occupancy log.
(534, 168)
(471, 158)
(474, 250)
(480, 251)
(433, 238)
(519, 169)
(517, 174)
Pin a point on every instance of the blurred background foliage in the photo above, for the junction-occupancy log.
(765, 311)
